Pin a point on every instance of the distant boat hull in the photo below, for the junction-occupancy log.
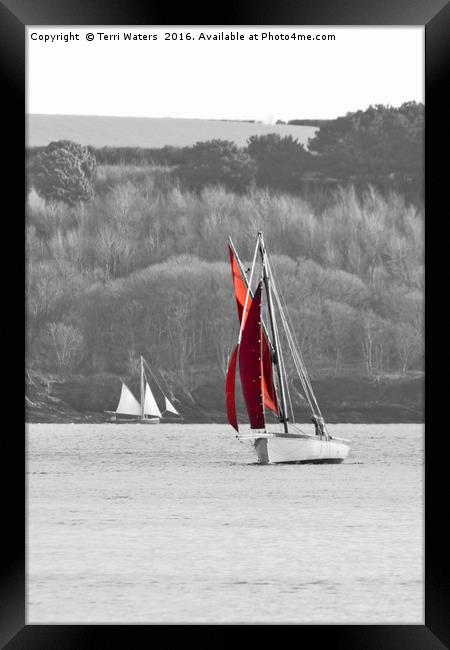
(132, 419)
(299, 449)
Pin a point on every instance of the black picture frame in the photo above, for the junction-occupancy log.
(434, 15)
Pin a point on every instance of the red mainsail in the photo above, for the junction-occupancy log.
(240, 290)
(250, 363)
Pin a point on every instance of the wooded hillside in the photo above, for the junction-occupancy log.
(141, 267)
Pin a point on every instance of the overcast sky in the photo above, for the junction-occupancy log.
(261, 80)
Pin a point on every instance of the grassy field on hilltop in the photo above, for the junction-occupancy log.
(100, 131)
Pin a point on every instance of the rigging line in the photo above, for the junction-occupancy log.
(275, 379)
(292, 347)
(281, 358)
(301, 370)
(162, 377)
(118, 392)
(279, 353)
(299, 354)
(297, 365)
(290, 328)
(290, 400)
(289, 396)
(175, 399)
(156, 381)
(295, 426)
(154, 377)
(283, 368)
(311, 391)
(282, 365)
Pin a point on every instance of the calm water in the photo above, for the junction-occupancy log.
(137, 524)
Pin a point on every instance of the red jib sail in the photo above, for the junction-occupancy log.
(240, 290)
(250, 363)
(240, 287)
(230, 390)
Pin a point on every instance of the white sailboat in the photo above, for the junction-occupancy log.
(267, 394)
(146, 411)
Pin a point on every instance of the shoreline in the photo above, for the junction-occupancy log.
(345, 400)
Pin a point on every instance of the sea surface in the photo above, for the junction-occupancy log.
(177, 523)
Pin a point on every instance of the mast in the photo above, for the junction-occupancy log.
(142, 387)
(275, 340)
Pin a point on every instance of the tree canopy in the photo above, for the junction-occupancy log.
(378, 145)
(217, 162)
(280, 161)
(63, 171)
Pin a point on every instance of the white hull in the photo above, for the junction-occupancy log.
(280, 448)
(120, 419)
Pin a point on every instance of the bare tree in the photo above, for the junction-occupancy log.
(341, 320)
(68, 344)
(408, 344)
(370, 324)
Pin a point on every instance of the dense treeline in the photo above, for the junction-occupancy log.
(308, 122)
(381, 146)
(168, 155)
(142, 268)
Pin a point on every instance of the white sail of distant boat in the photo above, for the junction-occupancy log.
(150, 405)
(146, 410)
(170, 407)
(128, 404)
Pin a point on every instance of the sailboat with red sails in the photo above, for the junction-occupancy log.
(274, 435)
